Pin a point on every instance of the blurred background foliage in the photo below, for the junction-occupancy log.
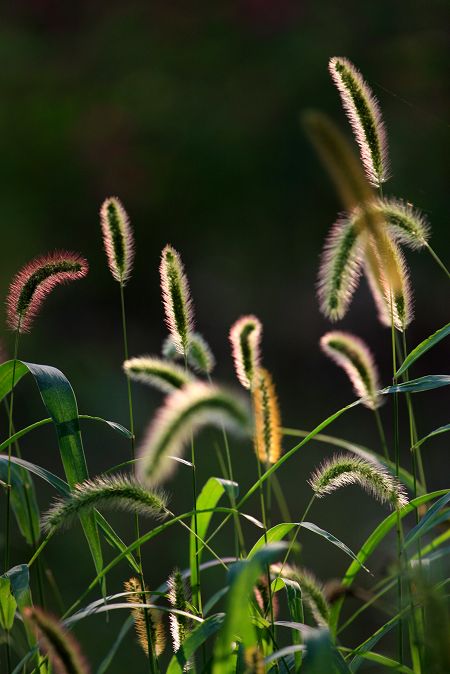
(190, 114)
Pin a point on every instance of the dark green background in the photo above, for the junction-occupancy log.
(190, 113)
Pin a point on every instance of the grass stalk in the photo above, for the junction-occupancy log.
(438, 260)
(381, 433)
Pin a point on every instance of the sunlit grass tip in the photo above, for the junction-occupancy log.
(117, 238)
(340, 268)
(56, 642)
(176, 299)
(365, 118)
(342, 470)
(178, 596)
(36, 280)
(183, 413)
(161, 374)
(117, 492)
(354, 356)
(199, 357)
(245, 338)
(312, 590)
(156, 626)
(268, 434)
(406, 224)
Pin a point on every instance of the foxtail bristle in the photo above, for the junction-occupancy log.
(155, 624)
(354, 356)
(117, 238)
(178, 597)
(183, 413)
(56, 642)
(161, 374)
(405, 223)
(199, 356)
(342, 470)
(176, 299)
(364, 115)
(117, 491)
(245, 338)
(36, 280)
(267, 418)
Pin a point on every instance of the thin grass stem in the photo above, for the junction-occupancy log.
(437, 259)
(381, 434)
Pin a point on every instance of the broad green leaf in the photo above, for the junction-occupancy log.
(371, 544)
(23, 500)
(437, 431)
(6, 373)
(192, 643)
(427, 383)
(382, 660)
(8, 604)
(208, 498)
(321, 655)
(238, 622)
(423, 347)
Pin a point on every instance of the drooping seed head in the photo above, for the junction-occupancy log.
(365, 118)
(340, 268)
(36, 280)
(245, 338)
(342, 470)
(183, 413)
(405, 223)
(267, 418)
(199, 357)
(162, 374)
(176, 299)
(117, 238)
(178, 597)
(312, 591)
(118, 492)
(56, 642)
(155, 624)
(354, 356)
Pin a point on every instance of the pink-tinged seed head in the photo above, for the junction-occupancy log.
(117, 238)
(245, 338)
(176, 299)
(36, 280)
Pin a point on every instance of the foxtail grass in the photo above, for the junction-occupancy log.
(245, 339)
(148, 625)
(161, 374)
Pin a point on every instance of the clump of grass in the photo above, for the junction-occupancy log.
(156, 372)
(342, 470)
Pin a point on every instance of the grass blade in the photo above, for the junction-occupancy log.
(422, 348)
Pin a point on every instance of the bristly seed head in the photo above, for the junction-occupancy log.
(56, 642)
(267, 418)
(342, 470)
(34, 282)
(117, 238)
(364, 114)
(155, 624)
(353, 355)
(161, 374)
(404, 222)
(117, 492)
(176, 299)
(245, 338)
(199, 357)
(183, 413)
(312, 591)
(178, 599)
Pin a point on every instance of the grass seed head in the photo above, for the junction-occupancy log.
(267, 418)
(176, 299)
(156, 626)
(245, 338)
(179, 599)
(162, 374)
(405, 223)
(117, 238)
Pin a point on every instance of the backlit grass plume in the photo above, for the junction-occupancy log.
(36, 280)
(176, 299)
(364, 114)
(117, 238)
(245, 338)
(178, 597)
(313, 594)
(156, 627)
(340, 268)
(184, 413)
(267, 418)
(342, 470)
(353, 355)
(162, 374)
(118, 492)
(56, 642)
(199, 356)
(405, 223)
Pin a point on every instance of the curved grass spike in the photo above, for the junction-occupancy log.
(56, 642)
(340, 267)
(342, 470)
(36, 280)
(267, 418)
(353, 355)
(117, 238)
(199, 357)
(184, 413)
(404, 222)
(157, 634)
(176, 299)
(365, 118)
(161, 374)
(117, 492)
(245, 338)
(178, 597)
(312, 591)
